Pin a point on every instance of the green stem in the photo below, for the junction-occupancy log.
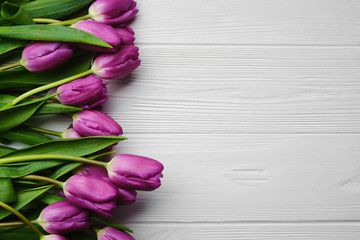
(46, 131)
(40, 157)
(22, 217)
(46, 87)
(11, 65)
(11, 224)
(71, 21)
(45, 20)
(44, 179)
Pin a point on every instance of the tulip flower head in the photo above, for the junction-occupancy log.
(126, 197)
(110, 233)
(95, 123)
(53, 237)
(117, 65)
(100, 30)
(42, 56)
(125, 33)
(135, 172)
(85, 93)
(91, 192)
(113, 12)
(71, 133)
(64, 217)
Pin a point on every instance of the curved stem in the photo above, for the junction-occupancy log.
(22, 217)
(11, 65)
(46, 87)
(42, 178)
(71, 21)
(40, 157)
(46, 131)
(45, 20)
(11, 224)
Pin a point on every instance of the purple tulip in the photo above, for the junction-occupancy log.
(91, 192)
(42, 56)
(63, 217)
(135, 172)
(117, 65)
(100, 30)
(110, 233)
(113, 12)
(126, 197)
(95, 123)
(85, 93)
(53, 237)
(71, 133)
(125, 33)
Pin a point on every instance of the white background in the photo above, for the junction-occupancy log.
(253, 108)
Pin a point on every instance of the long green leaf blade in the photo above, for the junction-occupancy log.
(14, 171)
(50, 33)
(15, 14)
(7, 193)
(6, 150)
(25, 136)
(6, 45)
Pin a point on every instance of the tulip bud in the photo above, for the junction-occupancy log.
(95, 123)
(100, 30)
(91, 192)
(113, 12)
(85, 93)
(42, 56)
(117, 65)
(110, 233)
(135, 172)
(126, 197)
(126, 34)
(71, 133)
(52, 237)
(63, 217)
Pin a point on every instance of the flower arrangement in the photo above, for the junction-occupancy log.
(54, 60)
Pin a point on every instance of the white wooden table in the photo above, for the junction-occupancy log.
(253, 107)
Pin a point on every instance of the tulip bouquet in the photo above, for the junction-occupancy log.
(56, 57)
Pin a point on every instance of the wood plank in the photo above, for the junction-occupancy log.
(299, 22)
(237, 90)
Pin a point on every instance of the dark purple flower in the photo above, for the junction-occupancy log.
(117, 65)
(113, 12)
(63, 217)
(100, 30)
(91, 192)
(42, 56)
(85, 93)
(135, 172)
(126, 196)
(110, 233)
(125, 33)
(95, 123)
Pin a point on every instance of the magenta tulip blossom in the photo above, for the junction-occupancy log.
(85, 93)
(42, 56)
(117, 65)
(53, 237)
(126, 197)
(113, 12)
(71, 133)
(91, 192)
(125, 33)
(64, 217)
(100, 30)
(110, 233)
(135, 172)
(95, 123)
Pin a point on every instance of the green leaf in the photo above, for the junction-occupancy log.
(6, 45)
(7, 193)
(24, 80)
(15, 171)
(17, 233)
(11, 117)
(5, 150)
(50, 198)
(71, 146)
(47, 108)
(25, 136)
(15, 14)
(64, 170)
(24, 197)
(18, 1)
(50, 33)
(54, 8)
